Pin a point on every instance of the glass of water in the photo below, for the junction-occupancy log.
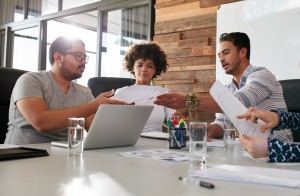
(197, 147)
(230, 134)
(75, 136)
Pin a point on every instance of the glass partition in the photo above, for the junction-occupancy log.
(121, 28)
(83, 26)
(67, 4)
(11, 11)
(25, 49)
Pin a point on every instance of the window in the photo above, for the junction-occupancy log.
(121, 29)
(2, 48)
(11, 11)
(77, 26)
(25, 49)
(67, 4)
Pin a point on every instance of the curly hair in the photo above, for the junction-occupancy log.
(146, 50)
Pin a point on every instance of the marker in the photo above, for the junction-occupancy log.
(197, 182)
(181, 123)
(170, 124)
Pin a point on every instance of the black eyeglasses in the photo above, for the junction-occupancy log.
(79, 56)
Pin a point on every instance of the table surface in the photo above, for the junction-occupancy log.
(104, 172)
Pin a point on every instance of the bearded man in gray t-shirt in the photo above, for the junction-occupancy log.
(41, 102)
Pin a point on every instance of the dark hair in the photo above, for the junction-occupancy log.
(240, 40)
(146, 50)
(62, 45)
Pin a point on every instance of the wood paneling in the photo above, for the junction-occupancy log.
(209, 3)
(186, 24)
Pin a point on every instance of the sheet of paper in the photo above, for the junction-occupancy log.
(232, 107)
(156, 135)
(7, 146)
(246, 154)
(140, 93)
(248, 174)
(159, 154)
(216, 143)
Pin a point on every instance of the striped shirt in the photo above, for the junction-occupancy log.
(260, 89)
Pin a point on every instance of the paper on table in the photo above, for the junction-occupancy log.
(155, 134)
(216, 143)
(159, 154)
(247, 174)
(7, 146)
(139, 93)
(232, 107)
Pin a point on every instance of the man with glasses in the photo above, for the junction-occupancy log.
(41, 102)
(253, 86)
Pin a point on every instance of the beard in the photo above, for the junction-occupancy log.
(69, 75)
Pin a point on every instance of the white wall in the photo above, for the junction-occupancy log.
(273, 27)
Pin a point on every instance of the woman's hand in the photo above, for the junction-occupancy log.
(257, 147)
(271, 119)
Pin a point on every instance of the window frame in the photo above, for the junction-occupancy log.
(41, 21)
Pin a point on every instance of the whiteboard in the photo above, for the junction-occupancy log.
(273, 27)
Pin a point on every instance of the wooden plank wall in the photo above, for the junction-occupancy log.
(186, 30)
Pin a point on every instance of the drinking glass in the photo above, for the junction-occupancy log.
(75, 136)
(230, 134)
(197, 148)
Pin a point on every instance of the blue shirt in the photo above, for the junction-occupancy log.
(280, 151)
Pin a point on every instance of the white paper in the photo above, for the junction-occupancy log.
(246, 154)
(215, 143)
(140, 94)
(155, 134)
(248, 174)
(7, 146)
(232, 107)
(159, 154)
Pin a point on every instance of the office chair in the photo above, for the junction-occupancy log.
(8, 78)
(291, 94)
(103, 84)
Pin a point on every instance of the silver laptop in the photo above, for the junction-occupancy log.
(115, 126)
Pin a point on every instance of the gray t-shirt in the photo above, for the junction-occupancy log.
(42, 85)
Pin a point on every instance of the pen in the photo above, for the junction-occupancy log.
(197, 182)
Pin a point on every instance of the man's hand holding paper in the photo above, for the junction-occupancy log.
(140, 94)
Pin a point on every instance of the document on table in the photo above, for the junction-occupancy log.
(155, 135)
(232, 107)
(248, 174)
(159, 154)
(7, 146)
(140, 94)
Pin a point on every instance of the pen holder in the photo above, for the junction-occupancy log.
(177, 138)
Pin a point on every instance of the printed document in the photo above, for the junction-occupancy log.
(249, 174)
(140, 94)
(158, 154)
(232, 107)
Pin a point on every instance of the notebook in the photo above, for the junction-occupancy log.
(115, 126)
(21, 152)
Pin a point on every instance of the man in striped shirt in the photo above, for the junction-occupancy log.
(253, 86)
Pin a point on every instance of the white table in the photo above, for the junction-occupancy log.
(103, 171)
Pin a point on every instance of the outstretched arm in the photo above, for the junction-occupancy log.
(270, 118)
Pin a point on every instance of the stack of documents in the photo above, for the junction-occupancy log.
(247, 174)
